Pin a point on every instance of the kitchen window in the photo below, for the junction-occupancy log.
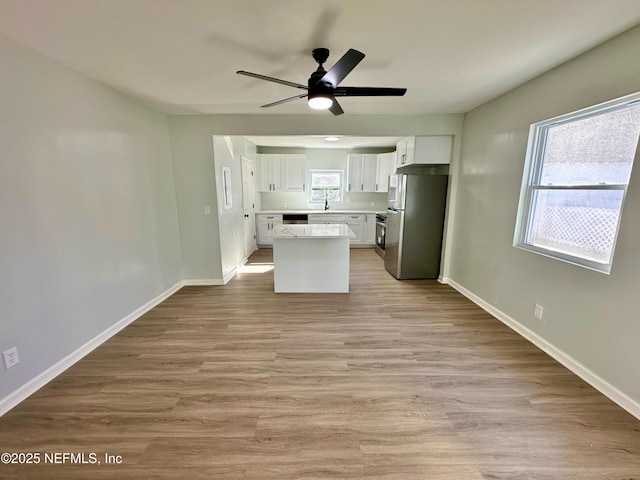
(326, 185)
(576, 175)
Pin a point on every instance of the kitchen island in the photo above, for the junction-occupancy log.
(311, 258)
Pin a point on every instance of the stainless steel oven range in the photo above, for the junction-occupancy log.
(381, 232)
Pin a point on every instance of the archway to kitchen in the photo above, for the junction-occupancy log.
(205, 241)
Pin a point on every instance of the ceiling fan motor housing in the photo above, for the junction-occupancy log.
(318, 86)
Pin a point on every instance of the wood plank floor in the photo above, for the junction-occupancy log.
(394, 381)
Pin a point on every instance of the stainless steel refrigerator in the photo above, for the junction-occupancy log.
(415, 223)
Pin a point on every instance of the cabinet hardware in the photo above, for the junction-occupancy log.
(361, 186)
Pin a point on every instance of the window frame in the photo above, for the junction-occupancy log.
(326, 170)
(531, 183)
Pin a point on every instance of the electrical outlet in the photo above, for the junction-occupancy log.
(285, 204)
(207, 210)
(537, 312)
(10, 358)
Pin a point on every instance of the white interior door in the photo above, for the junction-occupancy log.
(248, 204)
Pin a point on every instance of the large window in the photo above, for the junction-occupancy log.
(326, 185)
(576, 176)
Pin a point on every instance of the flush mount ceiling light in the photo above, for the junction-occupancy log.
(331, 139)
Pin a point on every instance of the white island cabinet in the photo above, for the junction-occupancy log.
(311, 258)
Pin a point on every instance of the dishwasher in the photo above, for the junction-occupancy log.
(295, 218)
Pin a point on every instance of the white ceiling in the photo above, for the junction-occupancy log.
(180, 56)
(318, 141)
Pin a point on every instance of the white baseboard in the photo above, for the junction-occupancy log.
(604, 387)
(203, 282)
(226, 278)
(33, 385)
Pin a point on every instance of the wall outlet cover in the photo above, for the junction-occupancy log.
(10, 358)
(538, 311)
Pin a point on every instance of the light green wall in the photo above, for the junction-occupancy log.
(227, 151)
(88, 215)
(590, 316)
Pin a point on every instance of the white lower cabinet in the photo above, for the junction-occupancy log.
(264, 227)
(363, 225)
(370, 229)
(356, 224)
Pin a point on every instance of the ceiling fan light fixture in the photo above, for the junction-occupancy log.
(320, 101)
(323, 85)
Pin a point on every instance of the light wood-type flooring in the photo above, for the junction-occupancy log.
(398, 380)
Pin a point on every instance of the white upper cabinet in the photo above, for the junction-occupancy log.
(424, 150)
(385, 168)
(281, 173)
(361, 168)
(294, 171)
(269, 173)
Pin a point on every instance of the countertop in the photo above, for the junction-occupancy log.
(319, 211)
(329, 230)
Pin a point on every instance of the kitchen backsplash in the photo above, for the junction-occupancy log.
(300, 201)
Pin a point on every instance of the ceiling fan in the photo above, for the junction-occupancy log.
(322, 88)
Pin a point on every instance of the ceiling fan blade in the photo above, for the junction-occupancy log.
(335, 108)
(290, 99)
(342, 67)
(368, 92)
(272, 79)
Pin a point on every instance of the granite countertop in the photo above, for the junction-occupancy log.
(329, 230)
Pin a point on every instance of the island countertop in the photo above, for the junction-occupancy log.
(329, 230)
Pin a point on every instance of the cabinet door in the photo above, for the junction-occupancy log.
(411, 150)
(369, 167)
(270, 172)
(264, 173)
(293, 172)
(277, 172)
(358, 229)
(361, 172)
(370, 230)
(401, 152)
(433, 150)
(262, 231)
(385, 167)
(354, 172)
